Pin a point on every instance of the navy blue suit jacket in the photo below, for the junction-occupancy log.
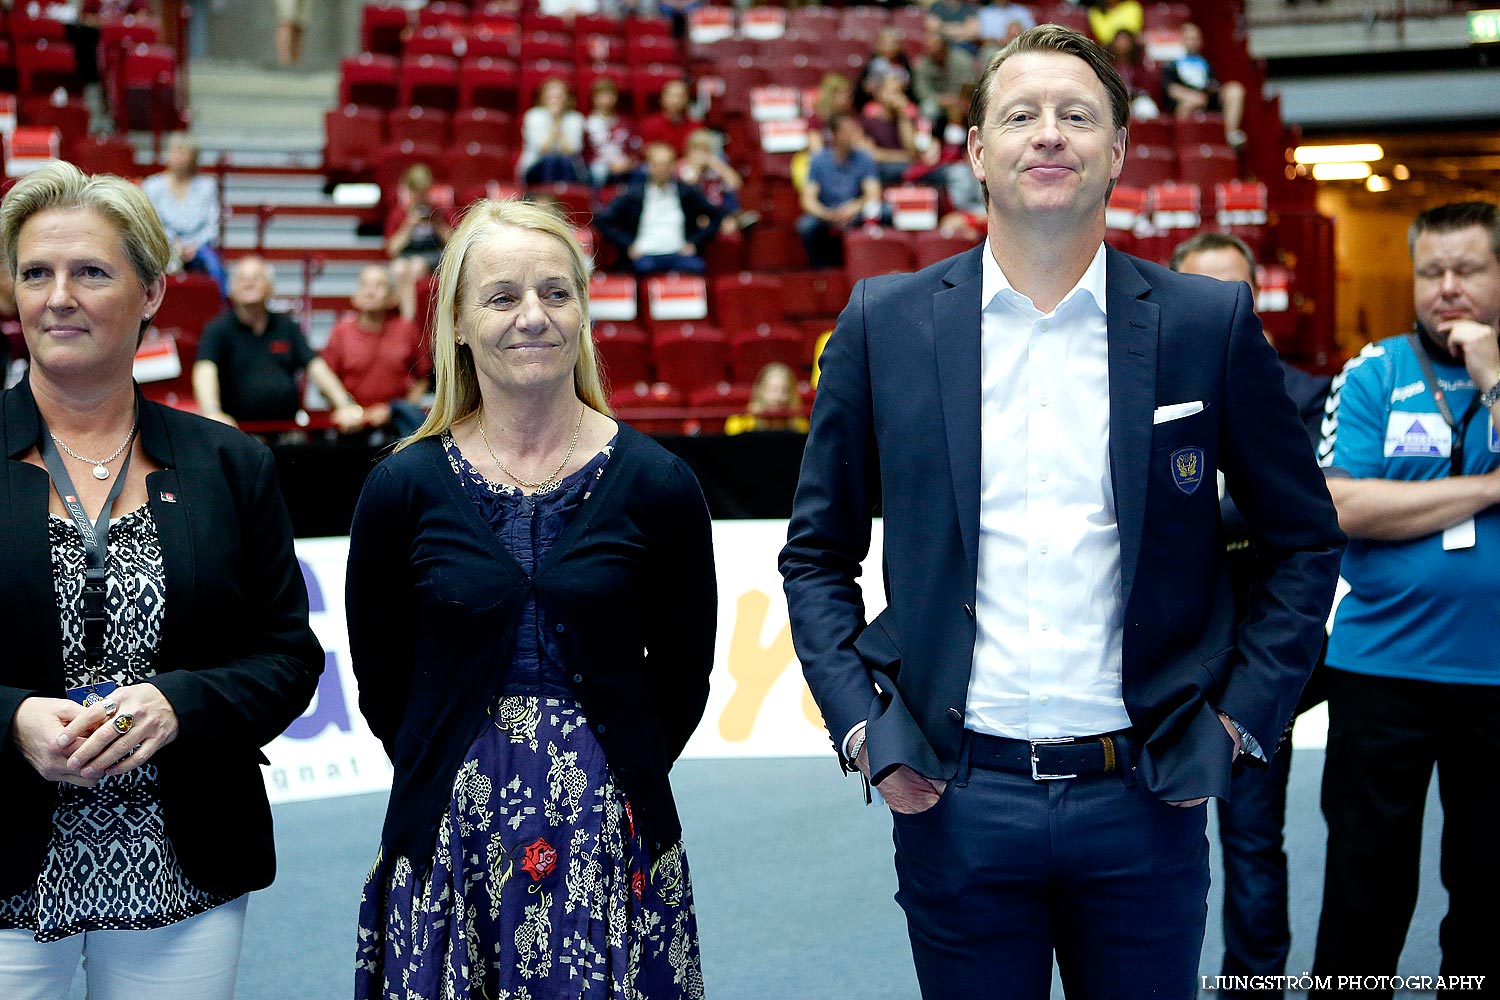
(897, 423)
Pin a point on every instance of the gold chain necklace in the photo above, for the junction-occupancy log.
(551, 482)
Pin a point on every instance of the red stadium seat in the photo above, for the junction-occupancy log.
(545, 45)
(648, 83)
(647, 49)
(742, 301)
(148, 96)
(435, 41)
(1153, 132)
(118, 34)
(1148, 165)
(869, 251)
(71, 119)
(722, 394)
(549, 23)
(106, 155)
(625, 351)
(725, 253)
(637, 28)
(1205, 127)
(486, 82)
(43, 65)
(934, 245)
(691, 355)
(769, 247)
(599, 49)
(25, 29)
(598, 24)
(751, 350)
(370, 80)
(393, 160)
(420, 125)
(1206, 166)
(431, 81)
(485, 126)
(352, 135)
(577, 200)
(537, 72)
(645, 396)
(381, 28)
(438, 14)
(490, 40)
(472, 167)
(814, 293)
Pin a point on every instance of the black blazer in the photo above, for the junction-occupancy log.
(897, 421)
(238, 661)
(433, 599)
(620, 221)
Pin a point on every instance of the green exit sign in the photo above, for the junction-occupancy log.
(1484, 26)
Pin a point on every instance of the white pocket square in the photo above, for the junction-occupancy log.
(1176, 411)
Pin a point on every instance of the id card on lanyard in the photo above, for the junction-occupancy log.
(1461, 535)
(95, 535)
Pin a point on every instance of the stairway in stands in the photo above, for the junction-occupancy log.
(266, 127)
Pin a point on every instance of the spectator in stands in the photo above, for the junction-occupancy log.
(188, 205)
(958, 20)
(552, 138)
(1190, 86)
(1142, 78)
(380, 357)
(1116, 15)
(135, 817)
(671, 124)
(1257, 934)
(249, 359)
(703, 167)
(888, 58)
(890, 123)
(612, 145)
(941, 71)
(291, 26)
(835, 96)
(842, 190)
(1003, 20)
(415, 233)
(774, 405)
(551, 642)
(660, 223)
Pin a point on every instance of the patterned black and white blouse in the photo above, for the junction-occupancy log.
(109, 865)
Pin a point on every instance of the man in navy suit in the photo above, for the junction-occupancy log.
(1257, 932)
(1059, 679)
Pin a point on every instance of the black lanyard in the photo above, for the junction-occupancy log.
(1459, 428)
(95, 546)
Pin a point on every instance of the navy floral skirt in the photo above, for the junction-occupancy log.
(539, 887)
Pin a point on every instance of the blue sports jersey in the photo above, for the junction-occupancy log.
(1415, 610)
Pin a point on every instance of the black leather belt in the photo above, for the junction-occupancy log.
(1049, 760)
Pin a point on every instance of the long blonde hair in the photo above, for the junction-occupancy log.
(456, 393)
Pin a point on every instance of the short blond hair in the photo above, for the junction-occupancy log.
(456, 390)
(60, 185)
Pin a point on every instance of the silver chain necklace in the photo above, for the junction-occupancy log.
(100, 472)
(546, 485)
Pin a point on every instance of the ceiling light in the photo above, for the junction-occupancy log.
(1359, 152)
(1401, 172)
(1340, 171)
(1377, 183)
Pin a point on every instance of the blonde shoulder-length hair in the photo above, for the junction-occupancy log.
(456, 394)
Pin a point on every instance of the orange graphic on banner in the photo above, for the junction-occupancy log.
(755, 668)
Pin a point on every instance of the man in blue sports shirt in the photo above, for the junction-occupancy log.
(1413, 463)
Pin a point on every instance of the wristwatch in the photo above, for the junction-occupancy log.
(1490, 396)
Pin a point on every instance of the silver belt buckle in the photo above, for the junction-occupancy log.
(1036, 775)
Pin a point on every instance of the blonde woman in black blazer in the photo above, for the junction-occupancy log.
(139, 677)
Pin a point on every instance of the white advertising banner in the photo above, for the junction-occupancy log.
(758, 704)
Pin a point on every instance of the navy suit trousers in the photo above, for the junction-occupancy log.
(1006, 871)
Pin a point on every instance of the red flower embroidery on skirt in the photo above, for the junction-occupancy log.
(630, 819)
(540, 860)
(638, 884)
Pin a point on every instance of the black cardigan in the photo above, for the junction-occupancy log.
(433, 601)
(237, 661)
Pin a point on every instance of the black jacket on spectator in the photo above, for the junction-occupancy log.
(237, 661)
(621, 219)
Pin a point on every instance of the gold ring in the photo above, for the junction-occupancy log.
(123, 723)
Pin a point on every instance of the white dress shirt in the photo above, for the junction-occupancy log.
(1048, 610)
(663, 227)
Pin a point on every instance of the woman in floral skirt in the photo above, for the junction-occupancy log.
(531, 608)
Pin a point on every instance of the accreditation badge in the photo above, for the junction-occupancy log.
(1417, 435)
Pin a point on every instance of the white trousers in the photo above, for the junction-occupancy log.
(193, 959)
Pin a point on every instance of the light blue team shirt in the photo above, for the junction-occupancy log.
(1415, 610)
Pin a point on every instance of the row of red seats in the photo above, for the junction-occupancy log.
(448, 84)
(388, 28)
(692, 356)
